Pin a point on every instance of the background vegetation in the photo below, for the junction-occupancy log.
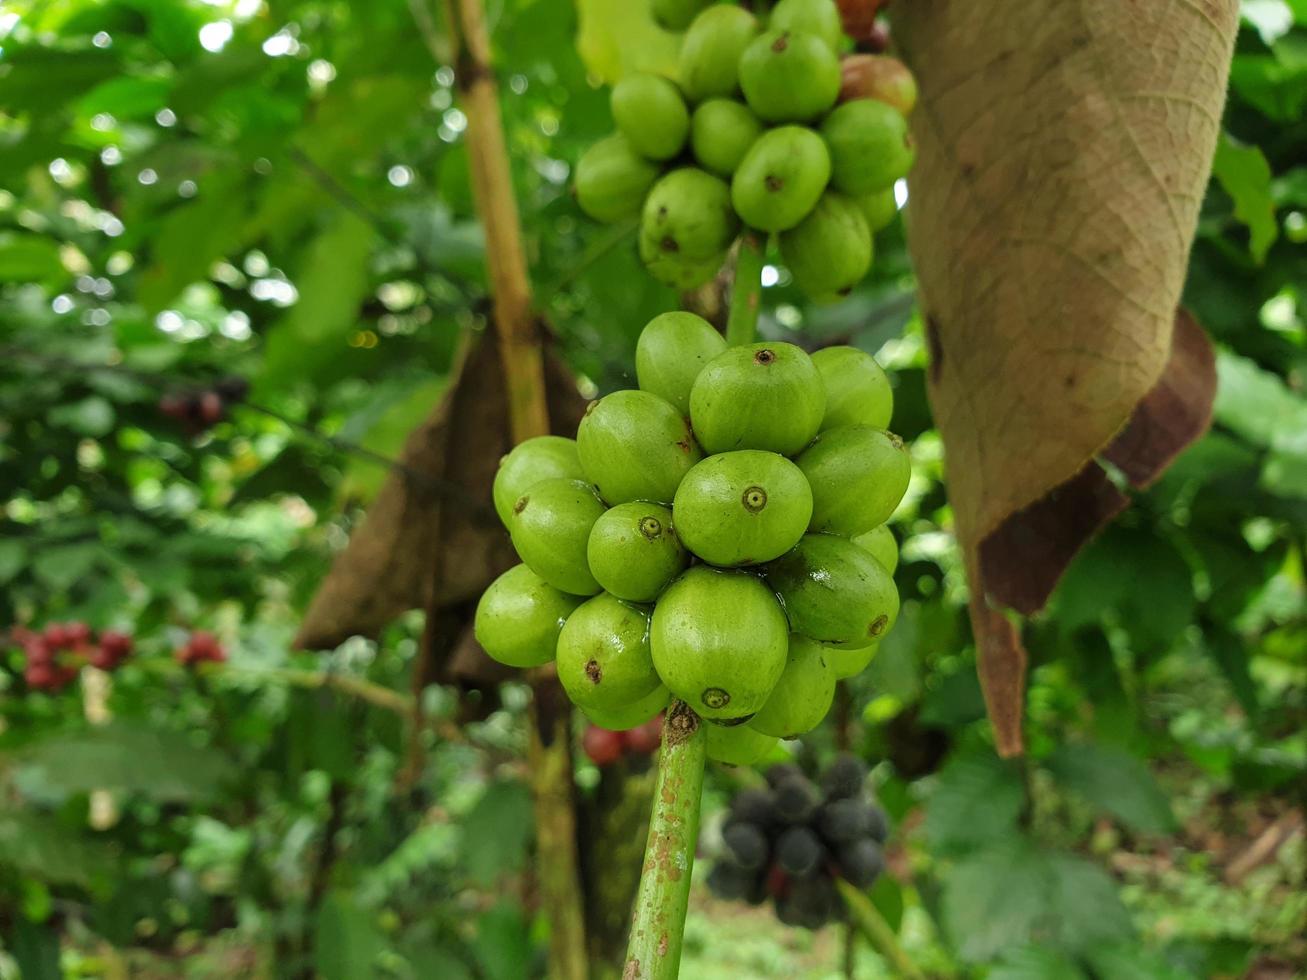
(279, 191)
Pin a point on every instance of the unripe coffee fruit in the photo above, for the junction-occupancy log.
(635, 446)
(721, 132)
(719, 642)
(551, 528)
(738, 745)
(879, 77)
(829, 251)
(858, 476)
(672, 350)
(621, 717)
(651, 114)
(879, 208)
(612, 180)
(634, 552)
(851, 661)
(802, 696)
(742, 507)
(834, 592)
(529, 462)
(519, 617)
(676, 15)
(789, 77)
(781, 178)
(688, 215)
(762, 396)
(880, 542)
(869, 144)
(818, 17)
(603, 654)
(858, 391)
(710, 52)
(668, 268)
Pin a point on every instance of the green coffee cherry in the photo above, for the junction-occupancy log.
(603, 654)
(834, 592)
(870, 146)
(651, 114)
(688, 214)
(742, 508)
(880, 542)
(519, 617)
(819, 17)
(671, 270)
(829, 251)
(781, 178)
(738, 745)
(676, 15)
(635, 446)
(858, 391)
(541, 458)
(671, 351)
(763, 396)
(620, 717)
(721, 132)
(551, 527)
(879, 208)
(612, 180)
(710, 52)
(849, 662)
(634, 552)
(789, 77)
(719, 642)
(858, 476)
(802, 696)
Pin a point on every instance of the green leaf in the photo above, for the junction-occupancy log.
(41, 847)
(35, 948)
(1128, 961)
(92, 416)
(1246, 176)
(13, 556)
(1036, 963)
(127, 97)
(29, 258)
(497, 831)
(976, 801)
(502, 945)
(1115, 781)
(346, 941)
(156, 764)
(620, 36)
(59, 566)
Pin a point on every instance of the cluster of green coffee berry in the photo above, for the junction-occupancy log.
(783, 158)
(727, 519)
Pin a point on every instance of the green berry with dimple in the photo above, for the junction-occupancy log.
(669, 269)
(711, 49)
(858, 476)
(551, 528)
(880, 542)
(743, 507)
(612, 180)
(721, 132)
(603, 654)
(634, 552)
(858, 391)
(834, 592)
(671, 351)
(635, 446)
(819, 17)
(789, 77)
(541, 458)
(851, 661)
(870, 146)
(762, 396)
(830, 250)
(803, 695)
(688, 215)
(781, 178)
(738, 745)
(620, 717)
(649, 111)
(519, 617)
(719, 642)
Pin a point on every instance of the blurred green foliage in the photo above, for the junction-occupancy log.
(278, 190)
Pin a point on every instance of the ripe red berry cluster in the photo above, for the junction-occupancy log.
(791, 841)
(604, 747)
(201, 646)
(199, 408)
(54, 655)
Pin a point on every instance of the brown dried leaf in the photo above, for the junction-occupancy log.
(1063, 152)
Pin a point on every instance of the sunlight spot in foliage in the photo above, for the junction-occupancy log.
(900, 193)
(214, 36)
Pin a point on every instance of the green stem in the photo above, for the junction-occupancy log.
(654, 950)
(746, 290)
(873, 925)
